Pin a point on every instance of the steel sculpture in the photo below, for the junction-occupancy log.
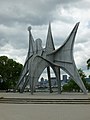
(39, 58)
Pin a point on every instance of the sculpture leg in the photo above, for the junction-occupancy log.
(59, 81)
(58, 78)
(49, 79)
(24, 85)
(32, 86)
(20, 81)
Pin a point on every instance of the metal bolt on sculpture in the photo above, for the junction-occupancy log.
(39, 58)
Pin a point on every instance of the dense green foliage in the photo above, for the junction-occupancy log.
(9, 72)
(72, 86)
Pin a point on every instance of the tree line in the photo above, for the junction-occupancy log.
(72, 86)
(10, 71)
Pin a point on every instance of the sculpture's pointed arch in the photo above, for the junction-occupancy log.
(63, 56)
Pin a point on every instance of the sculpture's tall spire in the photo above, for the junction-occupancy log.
(31, 42)
(49, 43)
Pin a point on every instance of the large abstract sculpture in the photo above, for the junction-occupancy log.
(39, 58)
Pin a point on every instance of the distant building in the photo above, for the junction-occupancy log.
(65, 78)
(53, 82)
(44, 82)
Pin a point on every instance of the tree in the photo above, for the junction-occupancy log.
(9, 72)
(88, 64)
(72, 85)
(83, 76)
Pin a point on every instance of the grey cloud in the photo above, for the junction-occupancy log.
(25, 12)
(33, 12)
(81, 40)
(16, 40)
(59, 41)
(66, 19)
(3, 42)
(83, 4)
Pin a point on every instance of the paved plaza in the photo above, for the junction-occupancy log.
(45, 111)
(63, 95)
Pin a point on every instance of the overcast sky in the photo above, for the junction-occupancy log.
(17, 15)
